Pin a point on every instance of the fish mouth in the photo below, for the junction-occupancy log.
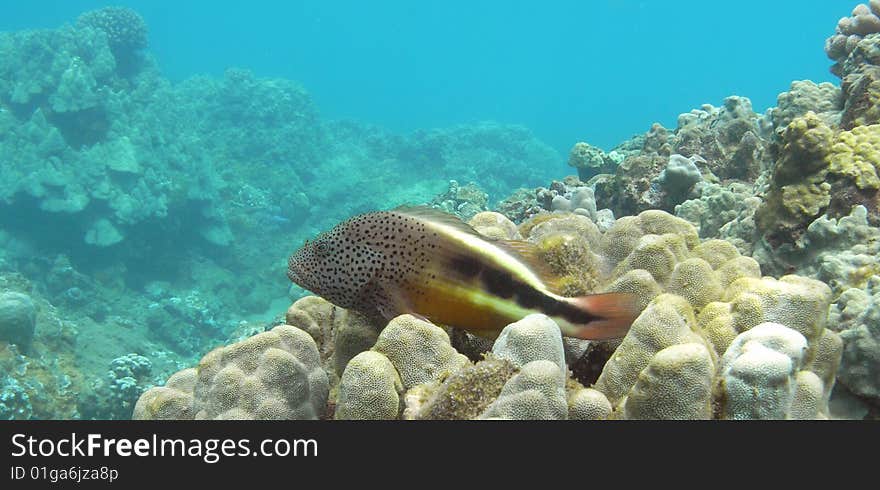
(291, 272)
(293, 276)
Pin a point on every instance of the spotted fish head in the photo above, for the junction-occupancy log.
(337, 265)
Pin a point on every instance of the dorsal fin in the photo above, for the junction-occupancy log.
(529, 255)
(438, 216)
(525, 252)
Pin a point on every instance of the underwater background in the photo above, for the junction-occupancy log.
(160, 160)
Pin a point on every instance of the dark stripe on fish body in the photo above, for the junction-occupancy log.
(499, 283)
(467, 267)
(574, 314)
(531, 298)
(502, 284)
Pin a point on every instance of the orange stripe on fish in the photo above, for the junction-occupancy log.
(429, 263)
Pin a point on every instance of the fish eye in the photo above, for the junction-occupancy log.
(321, 248)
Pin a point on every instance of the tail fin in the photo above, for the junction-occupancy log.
(613, 312)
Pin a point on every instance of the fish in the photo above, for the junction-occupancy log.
(430, 264)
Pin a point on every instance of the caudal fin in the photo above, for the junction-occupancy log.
(613, 313)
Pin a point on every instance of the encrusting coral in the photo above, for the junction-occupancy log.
(820, 169)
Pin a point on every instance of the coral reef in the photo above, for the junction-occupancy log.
(820, 169)
(511, 154)
(824, 99)
(854, 49)
(702, 348)
(370, 389)
(463, 201)
(125, 29)
(850, 31)
(591, 161)
(726, 143)
(856, 316)
(841, 252)
(173, 401)
(420, 351)
(18, 319)
(136, 212)
(115, 396)
(272, 375)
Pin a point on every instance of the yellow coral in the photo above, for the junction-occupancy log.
(856, 156)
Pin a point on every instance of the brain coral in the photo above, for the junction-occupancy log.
(703, 347)
(420, 351)
(536, 393)
(797, 302)
(339, 333)
(758, 372)
(588, 404)
(370, 389)
(461, 396)
(174, 401)
(495, 226)
(535, 337)
(676, 384)
(667, 321)
(272, 375)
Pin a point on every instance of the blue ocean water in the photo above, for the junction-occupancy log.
(569, 70)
